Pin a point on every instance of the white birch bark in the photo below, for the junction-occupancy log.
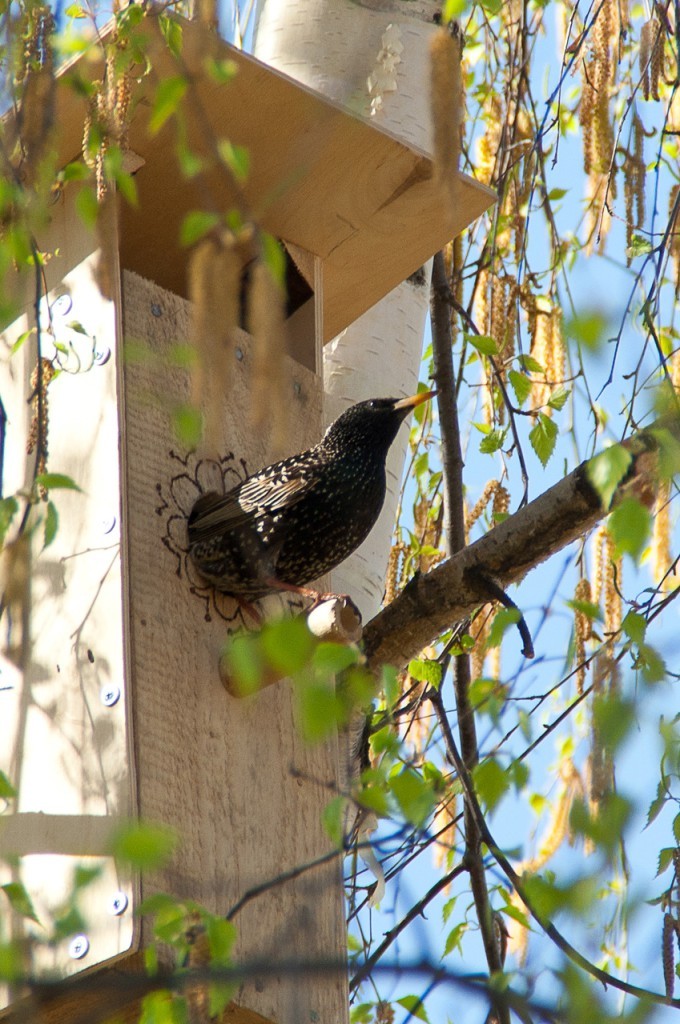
(373, 58)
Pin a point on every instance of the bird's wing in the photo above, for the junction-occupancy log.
(255, 501)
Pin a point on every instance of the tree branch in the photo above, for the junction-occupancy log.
(454, 536)
(432, 603)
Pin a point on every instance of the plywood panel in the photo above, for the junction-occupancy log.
(331, 183)
(63, 733)
(233, 777)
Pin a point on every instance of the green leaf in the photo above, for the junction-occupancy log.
(389, 684)
(414, 1006)
(426, 671)
(196, 224)
(75, 325)
(606, 827)
(8, 509)
(287, 645)
(557, 193)
(657, 804)
(639, 246)
(519, 773)
(484, 343)
(502, 621)
(77, 170)
(666, 857)
(190, 163)
(385, 741)
(7, 790)
(12, 957)
(371, 794)
(87, 206)
(52, 481)
(51, 524)
(587, 608)
(549, 898)
(650, 663)
(236, 158)
(480, 690)
(75, 11)
(606, 471)
(70, 923)
(493, 442)
(558, 398)
(221, 936)
(320, 710)
(333, 820)
(452, 9)
(220, 995)
(187, 422)
(244, 662)
(84, 876)
(613, 719)
(362, 1013)
(543, 437)
(144, 846)
(19, 900)
(448, 908)
(630, 526)
(172, 33)
(414, 796)
(161, 1007)
(521, 385)
(455, 937)
(634, 626)
(588, 329)
(530, 364)
(221, 71)
(330, 659)
(491, 782)
(24, 336)
(169, 94)
(275, 257)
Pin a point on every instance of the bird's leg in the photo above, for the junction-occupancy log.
(275, 584)
(251, 610)
(316, 596)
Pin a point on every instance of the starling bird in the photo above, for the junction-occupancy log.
(299, 518)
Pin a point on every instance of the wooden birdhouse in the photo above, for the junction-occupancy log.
(110, 700)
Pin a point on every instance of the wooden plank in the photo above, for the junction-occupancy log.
(63, 744)
(233, 777)
(75, 835)
(320, 178)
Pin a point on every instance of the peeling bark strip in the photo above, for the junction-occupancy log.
(452, 591)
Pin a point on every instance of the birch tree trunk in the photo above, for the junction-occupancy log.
(373, 58)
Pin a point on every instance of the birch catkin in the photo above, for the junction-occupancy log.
(446, 100)
(214, 281)
(266, 323)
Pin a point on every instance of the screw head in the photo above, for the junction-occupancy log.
(102, 356)
(61, 305)
(109, 695)
(78, 947)
(156, 309)
(297, 388)
(238, 352)
(118, 904)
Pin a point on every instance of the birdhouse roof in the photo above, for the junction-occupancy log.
(320, 178)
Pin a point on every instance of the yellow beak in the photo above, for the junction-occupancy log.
(414, 400)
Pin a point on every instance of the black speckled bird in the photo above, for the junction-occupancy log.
(299, 518)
